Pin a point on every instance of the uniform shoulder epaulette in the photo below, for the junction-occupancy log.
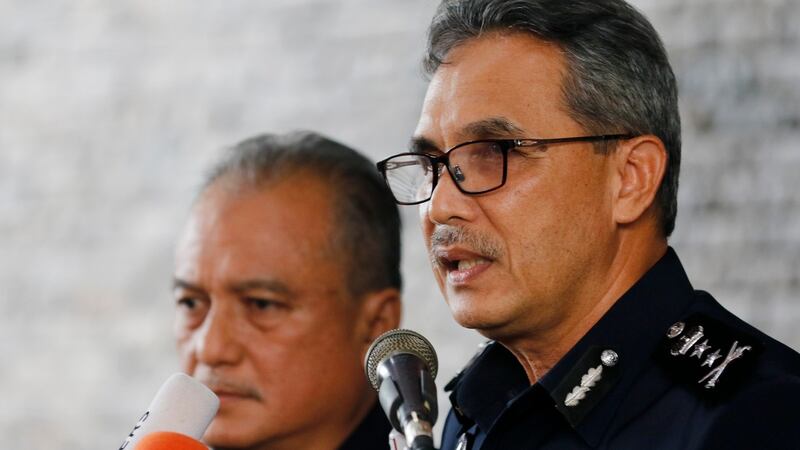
(454, 381)
(708, 356)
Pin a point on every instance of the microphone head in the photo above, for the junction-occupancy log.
(182, 405)
(168, 440)
(394, 342)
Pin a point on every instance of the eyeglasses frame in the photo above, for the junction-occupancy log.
(506, 145)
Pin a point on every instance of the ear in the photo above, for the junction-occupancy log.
(642, 162)
(380, 312)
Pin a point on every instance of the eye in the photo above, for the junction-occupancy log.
(191, 311)
(187, 303)
(486, 151)
(261, 304)
(191, 306)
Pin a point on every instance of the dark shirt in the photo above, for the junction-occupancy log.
(371, 434)
(667, 367)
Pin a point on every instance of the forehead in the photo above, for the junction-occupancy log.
(511, 76)
(285, 225)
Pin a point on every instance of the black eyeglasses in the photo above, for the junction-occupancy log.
(476, 167)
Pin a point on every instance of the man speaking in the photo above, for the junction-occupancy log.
(287, 270)
(545, 166)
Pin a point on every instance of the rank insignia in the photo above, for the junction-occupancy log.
(707, 355)
(587, 383)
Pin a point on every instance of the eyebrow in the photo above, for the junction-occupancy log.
(421, 144)
(492, 127)
(240, 286)
(267, 284)
(177, 283)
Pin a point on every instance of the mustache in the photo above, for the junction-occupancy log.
(217, 382)
(450, 235)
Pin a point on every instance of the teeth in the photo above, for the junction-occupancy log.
(466, 264)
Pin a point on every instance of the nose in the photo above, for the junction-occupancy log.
(447, 203)
(216, 341)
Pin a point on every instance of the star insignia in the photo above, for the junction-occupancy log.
(709, 354)
(710, 359)
(699, 349)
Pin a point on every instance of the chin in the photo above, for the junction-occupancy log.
(221, 435)
(473, 318)
(492, 323)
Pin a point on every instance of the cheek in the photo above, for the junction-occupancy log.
(301, 372)
(558, 199)
(551, 220)
(531, 222)
(183, 344)
(322, 336)
(425, 225)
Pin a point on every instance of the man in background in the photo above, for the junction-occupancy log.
(287, 270)
(545, 163)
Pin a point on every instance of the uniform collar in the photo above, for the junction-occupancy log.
(632, 328)
(487, 385)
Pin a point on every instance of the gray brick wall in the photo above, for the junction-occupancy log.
(110, 112)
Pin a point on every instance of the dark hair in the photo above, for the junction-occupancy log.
(367, 221)
(618, 75)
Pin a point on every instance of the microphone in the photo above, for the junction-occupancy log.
(401, 365)
(182, 406)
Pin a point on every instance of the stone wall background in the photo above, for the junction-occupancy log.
(111, 111)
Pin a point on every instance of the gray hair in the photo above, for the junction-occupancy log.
(367, 221)
(618, 75)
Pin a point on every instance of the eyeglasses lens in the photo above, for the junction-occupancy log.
(410, 177)
(478, 167)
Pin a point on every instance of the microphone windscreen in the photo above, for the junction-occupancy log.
(167, 440)
(182, 405)
(398, 341)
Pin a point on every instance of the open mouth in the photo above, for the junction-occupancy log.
(461, 266)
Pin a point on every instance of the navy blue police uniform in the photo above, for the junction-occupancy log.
(667, 367)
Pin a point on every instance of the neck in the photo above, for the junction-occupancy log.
(329, 436)
(540, 350)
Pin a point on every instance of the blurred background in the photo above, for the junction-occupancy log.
(110, 112)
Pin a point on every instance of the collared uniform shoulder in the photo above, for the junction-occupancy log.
(745, 385)
(667, 367)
